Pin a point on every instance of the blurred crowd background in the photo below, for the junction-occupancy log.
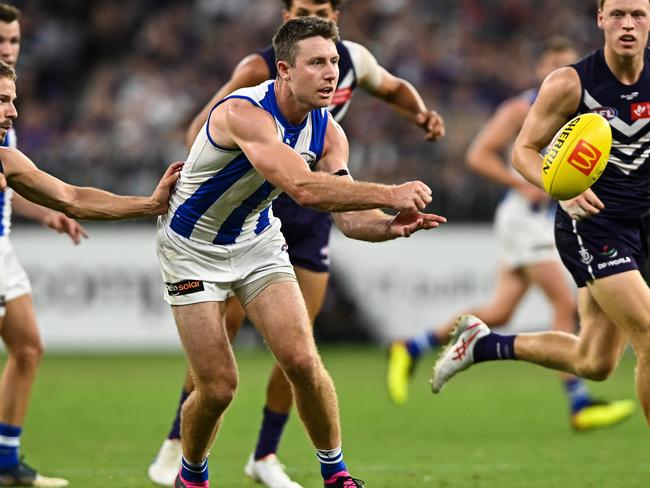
(107, 88)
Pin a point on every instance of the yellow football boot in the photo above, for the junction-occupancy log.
(602, 414)
(400, 368)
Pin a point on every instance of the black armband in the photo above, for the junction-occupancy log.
(342, 172)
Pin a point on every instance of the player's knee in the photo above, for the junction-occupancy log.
(218, 394)
(301, 367)
(597, 369)
(28, 356)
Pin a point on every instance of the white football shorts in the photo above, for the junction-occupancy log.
(525, 234)
(196, 272)
(16, 282)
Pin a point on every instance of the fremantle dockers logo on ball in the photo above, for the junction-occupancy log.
(184, 287)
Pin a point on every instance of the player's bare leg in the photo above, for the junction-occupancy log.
(165, 466)
(313, 286)
(625, 298)
(25, 349)
(20, 334)
(586, 412)
(593, 354)
(280, 315)
(263, 464)
(202, 331)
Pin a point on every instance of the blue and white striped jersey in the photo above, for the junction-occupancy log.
(7, 195)
(220, 198)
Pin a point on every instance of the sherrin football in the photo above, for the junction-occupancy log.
(577, 156)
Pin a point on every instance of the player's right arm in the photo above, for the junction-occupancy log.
(237, 123)
(82, 203)
(486, 152)
(251, 71)
(558, 99)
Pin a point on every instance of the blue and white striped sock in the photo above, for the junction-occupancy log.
(420, 343)
(577, 393)
(331, 462)
(9, 445)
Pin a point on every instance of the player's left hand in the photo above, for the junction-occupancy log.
(65, 225)
(583, 206)
(163, 191)
(432, 124)
(405, 224)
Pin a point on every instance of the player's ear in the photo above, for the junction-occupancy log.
(286, 15)
(599, 18)
(283, 70)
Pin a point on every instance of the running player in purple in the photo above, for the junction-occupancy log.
(524, 231)
(306, 230)
(601, 235)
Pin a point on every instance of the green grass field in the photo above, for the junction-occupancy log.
(98, 421)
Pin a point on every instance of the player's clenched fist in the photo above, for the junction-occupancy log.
(411, 196)
(432, 123)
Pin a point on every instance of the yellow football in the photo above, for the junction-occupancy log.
(577, 156)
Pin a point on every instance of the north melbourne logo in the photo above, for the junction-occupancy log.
(309, 157)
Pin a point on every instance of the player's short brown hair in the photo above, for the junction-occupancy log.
(336, 4)
(7, 71)
(285, 40)
(601, 3)
(8, 13)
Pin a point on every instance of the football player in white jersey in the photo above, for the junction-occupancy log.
(528, 257)
(306, 231)
(20, 331)
(86, 203)
(220, 237)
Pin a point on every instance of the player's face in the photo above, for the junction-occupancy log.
(316, 72)
(554, 60)
(308, 8)
(625, 24)
(9, 42)
(7, 108)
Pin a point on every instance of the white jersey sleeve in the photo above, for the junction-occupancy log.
(365, 65)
